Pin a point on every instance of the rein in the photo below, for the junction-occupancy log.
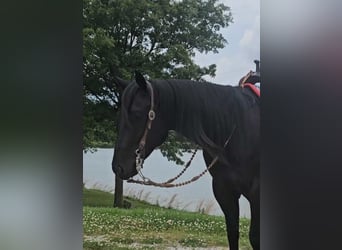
(168, 184)
(139, 160)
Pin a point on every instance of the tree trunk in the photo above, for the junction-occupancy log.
(118, 193)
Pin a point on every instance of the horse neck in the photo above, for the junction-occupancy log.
(191, 111)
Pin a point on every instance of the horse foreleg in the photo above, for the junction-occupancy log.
(229, 203)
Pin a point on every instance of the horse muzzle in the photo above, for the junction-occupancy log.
(121, 172)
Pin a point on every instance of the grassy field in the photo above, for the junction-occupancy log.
(147, 226)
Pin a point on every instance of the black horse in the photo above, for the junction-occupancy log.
(206, 114)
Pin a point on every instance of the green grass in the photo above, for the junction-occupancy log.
(150, 227)
(97, 198)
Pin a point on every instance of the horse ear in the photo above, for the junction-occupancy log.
(120, 83)
(139, 78)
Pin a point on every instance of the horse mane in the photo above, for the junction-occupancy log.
(205, 112)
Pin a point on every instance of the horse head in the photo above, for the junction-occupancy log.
(141, 127)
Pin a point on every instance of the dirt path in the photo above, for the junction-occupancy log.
(102, 241)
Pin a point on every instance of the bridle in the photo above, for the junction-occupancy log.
(139, 159)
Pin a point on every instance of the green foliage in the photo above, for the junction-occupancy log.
(174, 147)
(157, 37)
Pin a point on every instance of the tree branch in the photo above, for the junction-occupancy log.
(152, 48)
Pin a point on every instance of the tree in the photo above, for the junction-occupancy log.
(157, 37)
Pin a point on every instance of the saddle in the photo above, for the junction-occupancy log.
(251, 79)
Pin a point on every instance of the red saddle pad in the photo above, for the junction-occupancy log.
(255, 89)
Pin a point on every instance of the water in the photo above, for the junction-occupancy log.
(97, 171)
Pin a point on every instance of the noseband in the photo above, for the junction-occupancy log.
(139, 159)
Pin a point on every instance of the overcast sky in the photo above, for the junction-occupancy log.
(243, 47)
